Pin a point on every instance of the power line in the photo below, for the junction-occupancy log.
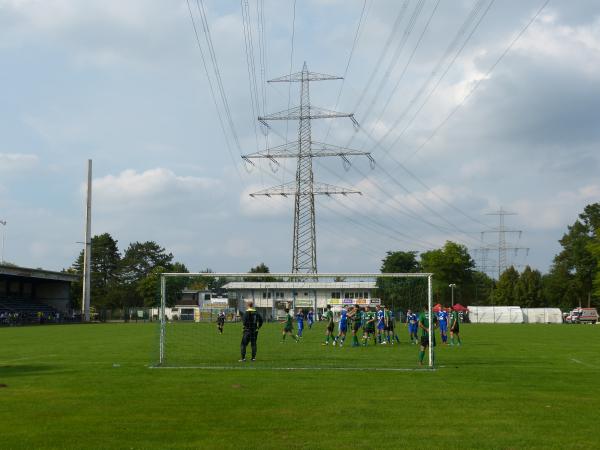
(354, 43)
(478, 82)
(405, 68)
(213, 95)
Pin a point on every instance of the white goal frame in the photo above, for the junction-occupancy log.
(300, 277)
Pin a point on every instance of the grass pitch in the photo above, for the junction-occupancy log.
(508, 386)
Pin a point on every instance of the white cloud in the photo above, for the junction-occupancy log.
(17, 162)
(152, 189)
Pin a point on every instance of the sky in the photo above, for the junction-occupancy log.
(462, 114)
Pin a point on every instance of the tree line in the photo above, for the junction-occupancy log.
(573, 278)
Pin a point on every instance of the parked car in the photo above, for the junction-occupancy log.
(582, 315)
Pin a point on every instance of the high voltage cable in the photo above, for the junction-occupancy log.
(478, 82)
(383, 53)
(251, 66)
(442, 77)
(421, 182)
(357, 34)
(451, 114)
(424, 244)
(394, 60)
(215, 65)
(451, 47)
(405, 68)
(214, 96)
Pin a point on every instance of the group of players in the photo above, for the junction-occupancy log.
(378, 325)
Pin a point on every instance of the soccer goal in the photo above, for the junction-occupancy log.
(200, 320)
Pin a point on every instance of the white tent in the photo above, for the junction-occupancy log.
(542, 315)
(495, 314)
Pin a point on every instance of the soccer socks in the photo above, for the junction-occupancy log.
(421, 356)
(388, 338)
(355, 341)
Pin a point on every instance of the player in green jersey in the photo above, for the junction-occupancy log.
(424, 327)
(357, 317)
(390, 326)
(288, 327)
(454, 327)
(328, 317)
(369, 327)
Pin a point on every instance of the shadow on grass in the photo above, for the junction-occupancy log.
(18, 370)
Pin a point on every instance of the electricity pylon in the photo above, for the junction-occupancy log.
(304, 188)
(502, 247)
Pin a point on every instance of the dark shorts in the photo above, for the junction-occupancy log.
(356, 326)
(370, 329)
(425, 341)
(390, 327)
(288, 329)
(330, 328)
(455, 329)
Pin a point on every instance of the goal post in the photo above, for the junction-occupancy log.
(187, 327)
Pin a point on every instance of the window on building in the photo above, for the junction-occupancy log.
(336, 295)
(206, 296)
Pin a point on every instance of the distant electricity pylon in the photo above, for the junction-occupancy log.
(304, 189)
(502, 247)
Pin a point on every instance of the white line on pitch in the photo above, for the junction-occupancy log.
(362, 369)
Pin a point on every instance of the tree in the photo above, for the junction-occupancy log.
(261, 268)
(594, 248)
(399, 292)
(148, 288)
(505, 294)
(141, 258)
(104, 270)
(577, 260)
(528, 289)
(483, 285)
(450, 264)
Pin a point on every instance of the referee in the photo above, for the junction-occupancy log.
(251, 321)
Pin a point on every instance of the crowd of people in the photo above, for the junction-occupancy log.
(378, 325)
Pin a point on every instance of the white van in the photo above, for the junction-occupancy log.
(583, 315)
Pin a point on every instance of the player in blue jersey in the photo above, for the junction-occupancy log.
(412, 322)
(342, 328)
(442, 316)
(300, 322)
(310, 317)
(380, 316)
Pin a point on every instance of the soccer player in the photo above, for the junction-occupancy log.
(380, 323)
(288, 327)
(300, 322)
(369, 319)
(251, 321)
(424, 327)
(412, 322)
(442, 316)
(328, 317)
(356, 316)
(454, 328)
(221, 321)
(342, 327)
(390, 326)
(311, 318)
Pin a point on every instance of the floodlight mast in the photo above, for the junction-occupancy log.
(304, 188)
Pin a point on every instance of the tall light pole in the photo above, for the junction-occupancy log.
(452, 286)
(3, 223)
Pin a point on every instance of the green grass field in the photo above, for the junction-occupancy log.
(89, 386)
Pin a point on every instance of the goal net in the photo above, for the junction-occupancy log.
(200, 320)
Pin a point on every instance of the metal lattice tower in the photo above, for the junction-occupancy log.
(304, 188)
(503, 247)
